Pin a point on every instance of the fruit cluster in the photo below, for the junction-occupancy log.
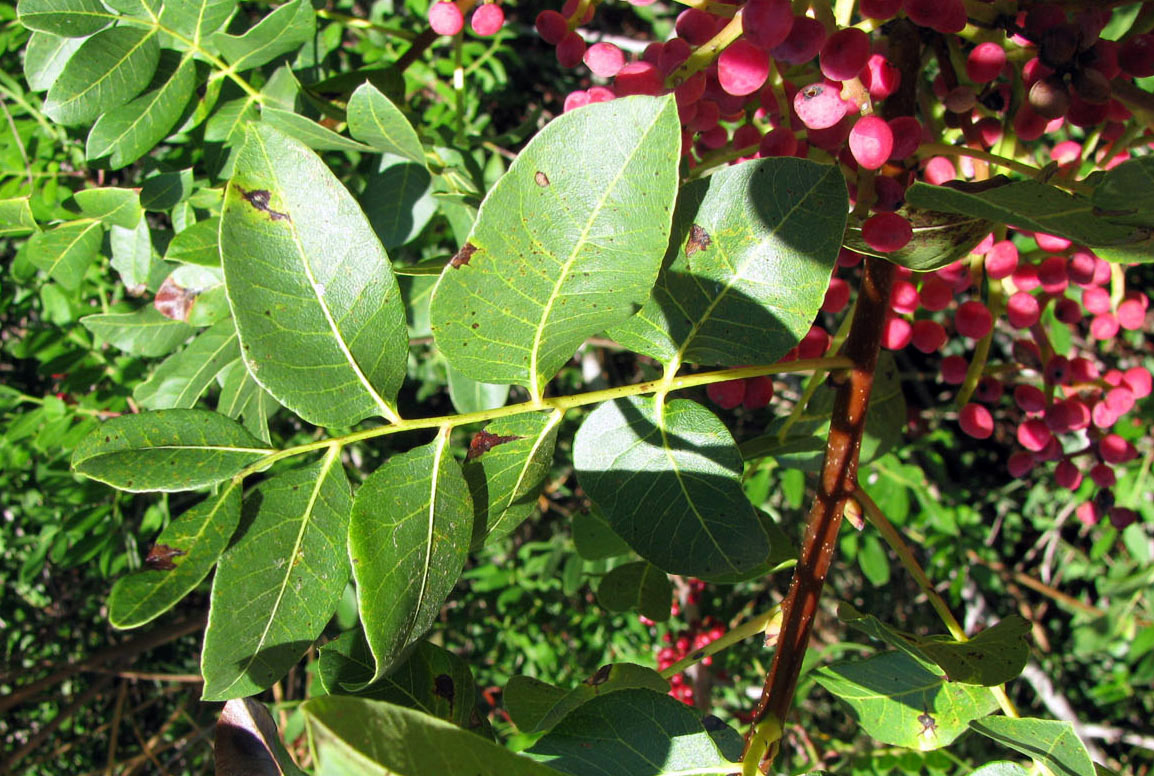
(448, 18)
(696, 635)
(759, 78)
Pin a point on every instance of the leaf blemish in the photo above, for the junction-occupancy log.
(542, 179)
(259, 199)
(482, 442)
(699, 240)
(461, 257)
(443, 686)
(160, 557)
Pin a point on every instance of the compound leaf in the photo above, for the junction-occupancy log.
(68, 18)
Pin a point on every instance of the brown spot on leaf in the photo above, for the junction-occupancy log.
(461, 258)
(699, 240)
(160, 557)
(443, 687)
(482, 442)
(600, 676)
(542, 179)
(174, 300)
(259, 199)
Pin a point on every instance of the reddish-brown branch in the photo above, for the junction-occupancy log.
(838, 482)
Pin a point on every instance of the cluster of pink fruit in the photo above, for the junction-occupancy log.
(755, 79)
(697, 635)
(448, 18)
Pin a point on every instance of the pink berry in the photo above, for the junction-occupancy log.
(939, 15)
(1023, 310)
(1052, 275)
(954, 369)
(726, 395)
(1120, 400)
(1138, 380)
(767, 23)
(928, 336)
(639, 78)
(446, 18)
(1096, 300)
(836, 296)
(1029, 398)
(577, 99)
(604, 59)
(939, 170)
(1068, 311)
(1136, 56)
(985, 62)
(814, 344)
(1104, 326)
(880, 77)
(487, 19)
(879, 9)
(1114, 449)
(819, 105)
(742, 68)
(989, 390)
(1121, 517)
(896, 333)
(886, 232)
(844, 54)
(1079, 414)
(903, 297)
(973, 320)
(1131, 315)
(1057, 371)
(696, 26)
(976, 421)
(935, 295)
(1033, 434)
(871, 141)
(778, 142)
(601, 94)
(1001, 260)
(1088, 513)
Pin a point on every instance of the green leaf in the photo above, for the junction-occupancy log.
(309, 132)
(374, 119)
(143, 332)
(632, 733)
(166, 190)
(640, 587)
(196, 19)
(113, 206)
(873, 561)
(677, 477)
(594, 538)
(506, 472)
(536, 706)
(66, 251)
(899, 700)
(180, 558)
(108, 70)
(1036, 206)
(44, 58)
(399, 203)
(278, 584)
(939, 239)
(227, 124)
(373, 738)
(1000, 768)
(16, 217)
(431, 679)
(1053, 743)
(240, 396)
(132, 254)
(198, 244)
(281, 32)
(748, 266)
(320, 317)
(468, 395)
(410, 530)
(994, 656)
(126, 133)
(169, 450)
(246, 742)
(70, 18)
(183, 377)
(567, 243)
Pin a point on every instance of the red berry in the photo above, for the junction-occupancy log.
(805, 39)
(1138, 380)
(954, 369)
(819, 105)
(778, 142)
(1020, 464)
(871, 141)
(696, 26)
(928, 336)
(880, 77)
(989, 390)
(1033, 434)
(1103, 476)
(973, 320)
(836, 296)
(758, 392)
(487, 19)
(726, 395)
(1068, 311)
(976, 421)
(879, 9)
(1104, 326)
(904, 297)
(639, 78)
(1131, 315)
(570, 50)
(1096, 300)
(1001, 260)
(814, 344)
(844, 54)
(446, 18)
(896, 333)
(886, 232)
(742, 68)
(935, 295)
(551, 26)
(907, 133)
(767, 23)
(1023, 310)
(985, 62)
(1067, 475)
(1029, 398)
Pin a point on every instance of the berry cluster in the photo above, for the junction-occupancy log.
(757, 79)
(696, 635)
